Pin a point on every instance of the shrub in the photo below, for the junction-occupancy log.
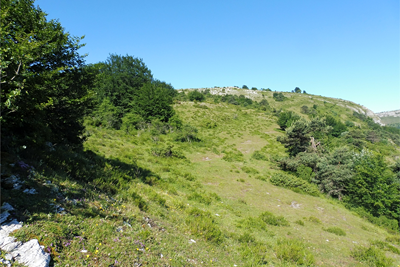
(202, 224)
(393, 239)
(252, 223)
(209, 124)
(314, 220)
(385, 246)
(157, 198)
(294, 183)
(231, 156)
(293, 251)
(271, 219)
(335, 230)
(249, 170)
(278, 96)
(167, 150)
(258, 155)
(201, 198)
(196, 95)
(300, 222)
(286, 118)
(371, 256)
(130, 122)
(188, 133)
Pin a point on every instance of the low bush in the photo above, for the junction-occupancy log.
(202, 224)
(294, 183)
(271, 219)
(293, 251)
(314, 220)
(393, 239)
(335, 230)
(258, 155)
(371, 256)
(249, 170)
(385, 246)
(201, 198)
(138, 201)
(231, 156)
(300, 222)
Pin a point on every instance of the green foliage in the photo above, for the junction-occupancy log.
(286, 119)
(373, 186)
(130, 122)
(305, 173)
(334, 172)
(300, 222)
(294, 183)
(209, 124)
(337, 126)
(254, 88)
(293, 251)
(249, 170)
(391, 225)
(305, 109)
(245, 87)
(167, 150)
(233, 155)
(278, 97)
(371, 256)
(252, 223)
(201, 198)
(202, 224)
(120, 80)
(138, 201)
(106, 115)
(314, 220)
(335, 230)
(237, 100)
(187, 133)
(297, 137)
(258, 155)
(385, 246)
(271, 219)
(44, 85)
(297, 90)
(196, 95)
(393, 239)
(264, 105)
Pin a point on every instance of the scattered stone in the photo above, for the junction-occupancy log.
(30, 191)
(3, 216)
(84, 251)
(120, 229)
(216, 214)
(295, 205)
(192, 241)
(7, 207)
(8, 257)
(7, 243)
(5, 262)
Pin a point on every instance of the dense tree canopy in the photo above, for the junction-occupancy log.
(44, 90)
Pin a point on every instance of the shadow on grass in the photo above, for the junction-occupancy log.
(92, 173)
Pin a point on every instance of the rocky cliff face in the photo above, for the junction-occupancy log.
(393, 113)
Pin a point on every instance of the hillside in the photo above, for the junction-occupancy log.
(390, 117)
(142, 197)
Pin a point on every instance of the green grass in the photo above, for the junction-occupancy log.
(140, 201)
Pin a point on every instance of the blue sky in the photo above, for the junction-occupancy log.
(343, 49)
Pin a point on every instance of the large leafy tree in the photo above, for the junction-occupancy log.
(120, 80)
(44, 86)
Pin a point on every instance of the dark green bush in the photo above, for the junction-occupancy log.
(202, 224)
(196, 95)
(335, 230)
(258, 155)
(294, 183)
(270, 218)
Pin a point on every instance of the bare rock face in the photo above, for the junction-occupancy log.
(393, 113)
(30, 253)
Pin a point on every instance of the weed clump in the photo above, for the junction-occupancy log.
(249, 170)
(314, 220)
(259, 156)
(201, 198)
(271, 219)
(393, 239)
(138, 201)
(293, 251)
(300, 222)
(335, 230)
(232, 155)
(386, 246)
(202, 224)
(371, 256)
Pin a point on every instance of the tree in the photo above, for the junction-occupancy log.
(297, 137)
(374, 187)
(121, 78)
(254, 88)
(153, 103)
(245, 87)
(286, 118)
(297, 90)
(278, 96)
(44, 92)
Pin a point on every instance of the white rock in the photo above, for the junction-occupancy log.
(84, 251)
(7, 207)
(192, 241)
(4, 216)
(31, 254)
(6, 242)
(30, 191)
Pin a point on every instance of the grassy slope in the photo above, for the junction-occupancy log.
(241, 196)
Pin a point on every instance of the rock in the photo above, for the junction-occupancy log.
(4, 216)
(7, 243)
(295, 205)
(30, 191)
(7, 207)
(31, 254)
